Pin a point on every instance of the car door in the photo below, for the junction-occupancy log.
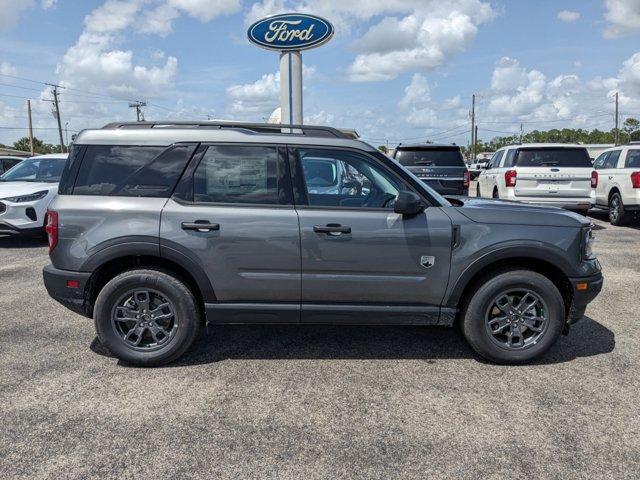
(490, 174)
(606, 176)
(361, 262)
(233, 215)
(603, 182)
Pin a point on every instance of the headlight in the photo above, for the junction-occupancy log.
(588, 243)
(32, 197)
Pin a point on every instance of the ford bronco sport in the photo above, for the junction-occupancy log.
(161, 227)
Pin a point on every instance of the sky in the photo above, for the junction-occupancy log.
(396, 70)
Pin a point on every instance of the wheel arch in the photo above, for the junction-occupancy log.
(173, 262)
(543, 264)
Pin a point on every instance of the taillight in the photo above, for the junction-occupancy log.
(465, 181)
(594, 179)
(510, 178)
(52, 229)
(635, 179)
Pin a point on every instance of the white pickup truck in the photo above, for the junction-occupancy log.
(550, 174)
(618, 183)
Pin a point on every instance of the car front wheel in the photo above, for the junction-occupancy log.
(514, 317)
(146, 317)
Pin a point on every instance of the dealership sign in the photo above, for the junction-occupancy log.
(290, 32)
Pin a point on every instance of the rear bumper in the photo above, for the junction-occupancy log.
(570, 203)
(57, 284)
(585, 289)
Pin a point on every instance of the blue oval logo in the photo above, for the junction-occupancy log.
(290, 31)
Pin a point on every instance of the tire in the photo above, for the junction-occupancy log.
(160, 341)
(476, 325)
(478, 191)
(617, 215)
(496, 194)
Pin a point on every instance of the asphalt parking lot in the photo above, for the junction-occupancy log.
(319, 402)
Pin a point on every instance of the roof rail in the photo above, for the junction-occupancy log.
(264, 128)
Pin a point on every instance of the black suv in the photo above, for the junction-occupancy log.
(441, 167)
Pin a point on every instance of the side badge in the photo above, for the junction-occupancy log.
(427, 261)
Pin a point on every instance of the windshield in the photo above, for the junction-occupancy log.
(553, 157)
(437, 157)
(36, 170)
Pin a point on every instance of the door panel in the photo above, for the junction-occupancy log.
(379, 261)
(254, 256)
(249, 245)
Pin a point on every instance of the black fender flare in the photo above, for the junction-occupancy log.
(149, 246)
(536, 251)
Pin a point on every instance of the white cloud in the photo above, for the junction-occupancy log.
(568, 16)
(623, 17)
(259, 98)
(10, 11)
(408, 34)
(47, 4)
(7, 69)
(160, 19)
(422, 40)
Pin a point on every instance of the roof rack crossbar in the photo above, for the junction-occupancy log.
(272, 128)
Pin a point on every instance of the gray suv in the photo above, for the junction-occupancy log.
(161, 227)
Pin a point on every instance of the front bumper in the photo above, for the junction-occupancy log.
(17, 218)
(585, 289)
(57, 282)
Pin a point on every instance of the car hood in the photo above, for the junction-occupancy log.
(484, 210)
(13, 189)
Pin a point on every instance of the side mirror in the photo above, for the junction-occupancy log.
(408, 203)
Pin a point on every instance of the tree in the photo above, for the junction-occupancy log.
(383, 149)
(38, 146)
(631, 127)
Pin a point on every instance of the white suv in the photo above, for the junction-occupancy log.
(558, 175)
(618, 182)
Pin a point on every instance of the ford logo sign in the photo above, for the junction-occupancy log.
(290, 32)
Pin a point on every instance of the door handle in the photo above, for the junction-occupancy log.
(331, 228)
(200, 226)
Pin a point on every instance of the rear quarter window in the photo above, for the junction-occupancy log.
(437, 157)
(131, 171)
(633, 159)
(553, 157)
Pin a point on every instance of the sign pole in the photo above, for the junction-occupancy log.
(291, 87)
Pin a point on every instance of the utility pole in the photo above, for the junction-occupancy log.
(137, 105)
(473, 126)
(475, 137)
(521, 132)
(617, 132)
(57, 113)
(30, 128)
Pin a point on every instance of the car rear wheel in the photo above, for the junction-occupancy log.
(478, 191)
(617, 215)
(513, 317)
(146, 317)
(495, 193)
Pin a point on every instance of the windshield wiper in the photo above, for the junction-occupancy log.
(423, 162)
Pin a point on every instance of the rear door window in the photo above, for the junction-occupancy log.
(495, 160)
(437, 157)
(633, 159)
(240, 175)
(508, 161)
(612, 159)
(553, 157)
(131, 171)
(599, 162)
